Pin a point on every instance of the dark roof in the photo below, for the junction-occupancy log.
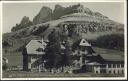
(112, 57)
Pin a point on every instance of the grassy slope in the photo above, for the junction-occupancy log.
(14, 59)
(108, 51)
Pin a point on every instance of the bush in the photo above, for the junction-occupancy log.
(4, 67)
(113, 41)
(5, 44)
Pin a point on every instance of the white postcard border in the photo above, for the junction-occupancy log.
(73, 78)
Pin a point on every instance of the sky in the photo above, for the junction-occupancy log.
(14, 12)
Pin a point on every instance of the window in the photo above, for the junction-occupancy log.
(114, 72)
(109, 71)
(122, 65)
(109, 65)
(78, 52)
(103, 71)
(34, 57)
(40, 50)
(83, 49)
(96, 71)
(118, 72)
(122, 71)
(78, 65)
(114, 65)
(96, 66)
(118, 65)
(83, 41)
(103, 66)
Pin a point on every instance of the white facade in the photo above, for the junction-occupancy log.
(109, 69)
(116, 69)
(32, 60)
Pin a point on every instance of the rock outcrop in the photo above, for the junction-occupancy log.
(44, 15)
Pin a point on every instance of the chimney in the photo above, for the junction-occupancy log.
(43, 42)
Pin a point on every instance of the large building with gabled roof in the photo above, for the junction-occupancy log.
(32, 55)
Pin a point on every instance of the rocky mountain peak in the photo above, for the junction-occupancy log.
(25, 20)
(44, 9)
(44, 15)
(58, 6)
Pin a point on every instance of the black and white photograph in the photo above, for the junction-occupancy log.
(63, 40)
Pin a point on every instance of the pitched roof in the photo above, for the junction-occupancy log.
(35, 47)
(112, 57)
(84, 43)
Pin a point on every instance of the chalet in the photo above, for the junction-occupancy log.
(90, 61)
(32, 55)
(83, 50)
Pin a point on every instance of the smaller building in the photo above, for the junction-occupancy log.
(82, 51)
(112, 64)
(89, 61)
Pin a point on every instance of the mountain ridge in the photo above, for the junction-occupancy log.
(46, 14)
(61, 11)
(47, 20)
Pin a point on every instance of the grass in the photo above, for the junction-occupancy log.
(37, 74)
(108, 51)
(95, 35)
(14, 59)
(23, 74)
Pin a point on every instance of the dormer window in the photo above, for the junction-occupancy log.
(40, 49)
(83, 41)
(40, 42)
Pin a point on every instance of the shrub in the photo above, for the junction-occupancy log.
(113, 41)
(4, 67)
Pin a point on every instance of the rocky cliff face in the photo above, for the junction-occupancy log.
(44, 15)
(58, 12)
(47, 14)
(25, 22)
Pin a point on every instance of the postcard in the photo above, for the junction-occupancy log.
(63, 40)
